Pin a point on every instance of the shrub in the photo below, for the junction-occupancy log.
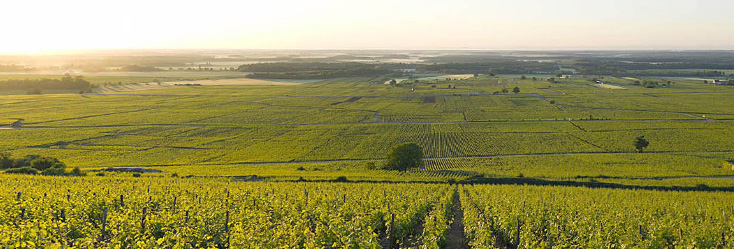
(5, 160)
(77, 172)
(641, 143)
(341, 179)
(301, 169)
(100, 174)
(44, 163)
(34, 161)
(25, 161)
(136, 175)
(53, 172)
(22, 170)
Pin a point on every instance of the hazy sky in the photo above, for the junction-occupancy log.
(39, 26)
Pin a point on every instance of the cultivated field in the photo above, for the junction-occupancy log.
(243, 82)
(301, 142)
(342, 126)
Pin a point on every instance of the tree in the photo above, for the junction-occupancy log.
(516, 90)
(522, 77)
(641, 143)
(5, 160)
(393, 82)
(78, 172)
(44, 163)
(404, 157)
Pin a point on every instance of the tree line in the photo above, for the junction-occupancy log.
(34, 164)
(317, 70)
(671, 68)
(281, 67)
(492, 67)
(66, 82)
(14, 68)
(138, 68)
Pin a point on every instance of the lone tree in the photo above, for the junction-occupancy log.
(404, 157)
(641, 143)
(516, 90)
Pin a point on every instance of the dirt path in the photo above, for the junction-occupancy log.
(540, 97)
(456, 237)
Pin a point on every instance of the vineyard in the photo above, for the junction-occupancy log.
(300, 166)
(124, 212)
(336, 128)
(198, 213)
(564, 217)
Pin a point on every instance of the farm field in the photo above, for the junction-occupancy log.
(542, 217)
(331, 129)
(105, 212)
(111, 88)
(367, 124)
(201, 213)
(126, 81)
(244, 82)
(296, 163)
(153, 74)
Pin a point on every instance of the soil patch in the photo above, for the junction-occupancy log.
(456, 237)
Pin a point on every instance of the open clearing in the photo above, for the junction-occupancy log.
(437, 77)
(132, 87)
(608, 86)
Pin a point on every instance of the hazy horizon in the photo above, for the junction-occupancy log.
(368, 25)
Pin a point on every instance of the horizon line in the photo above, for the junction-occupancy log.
(72, 51)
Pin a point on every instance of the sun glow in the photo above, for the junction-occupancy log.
(50, 26)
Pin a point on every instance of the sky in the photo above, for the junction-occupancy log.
(42, 26)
